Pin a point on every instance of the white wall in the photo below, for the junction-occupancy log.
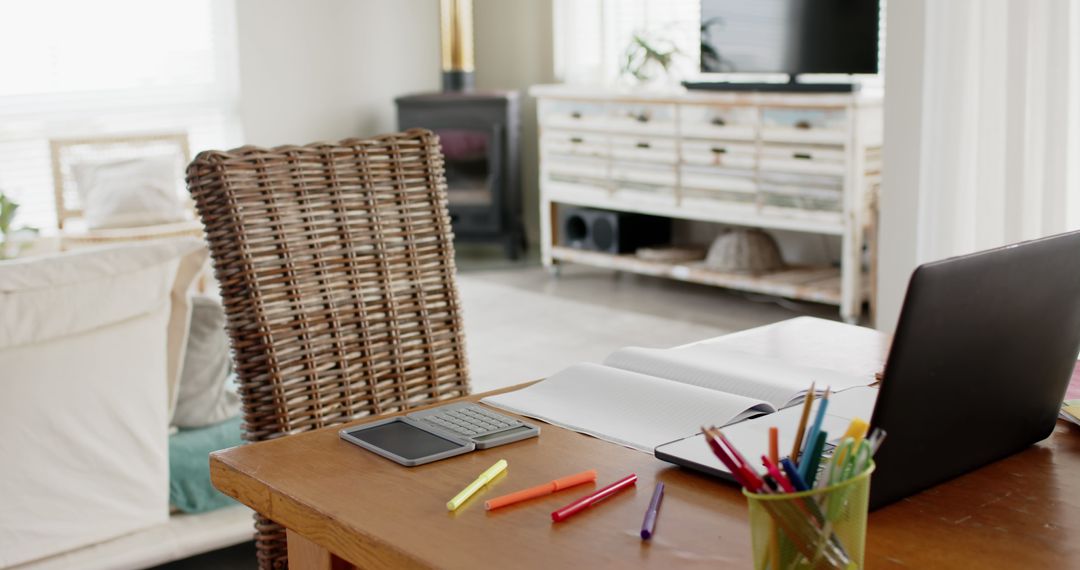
(514, 51)
(901, 170)
(329, 69)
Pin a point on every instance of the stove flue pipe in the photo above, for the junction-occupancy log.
(455, 19)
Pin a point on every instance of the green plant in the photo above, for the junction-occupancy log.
(646, 55)
(7, 216)
(7, 213)
(711, 59)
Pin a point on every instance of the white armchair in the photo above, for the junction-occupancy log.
(91, 345)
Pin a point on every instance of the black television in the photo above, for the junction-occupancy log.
(789, 36)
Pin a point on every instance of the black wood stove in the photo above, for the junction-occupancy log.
(480, 133)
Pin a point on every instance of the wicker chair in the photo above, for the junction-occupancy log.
(336, 268)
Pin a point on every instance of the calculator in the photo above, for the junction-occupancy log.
(476, 423)
(438, 433)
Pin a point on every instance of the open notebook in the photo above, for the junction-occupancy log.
(644, 397)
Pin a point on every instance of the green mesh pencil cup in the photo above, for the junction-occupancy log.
(820, 528)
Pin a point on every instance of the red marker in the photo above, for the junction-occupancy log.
(748, 471)
(781, 479)
(590, 500)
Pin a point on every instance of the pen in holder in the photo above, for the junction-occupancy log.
(820, 528)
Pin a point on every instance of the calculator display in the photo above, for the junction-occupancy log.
(404, 440)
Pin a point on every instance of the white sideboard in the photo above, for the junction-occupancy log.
(778, 161)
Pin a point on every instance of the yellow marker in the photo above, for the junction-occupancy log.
(473, 487)
(856, 431)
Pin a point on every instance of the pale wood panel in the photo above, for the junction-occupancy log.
(1021, 512)
(306, 555)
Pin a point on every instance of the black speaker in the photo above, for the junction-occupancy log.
(610, 232)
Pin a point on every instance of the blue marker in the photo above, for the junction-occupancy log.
(793, 474)
(815, 427)
(808, 468)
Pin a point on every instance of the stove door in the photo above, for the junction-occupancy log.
(473, 164)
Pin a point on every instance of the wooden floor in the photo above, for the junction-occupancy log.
(685, 302)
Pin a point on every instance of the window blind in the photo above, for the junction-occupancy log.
(591, 36)
(109, 67)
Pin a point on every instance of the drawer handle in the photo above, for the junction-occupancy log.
(577, 140)
(804, 125)
(718, 121)
(642, 117)
(718, 150)
(643, 145)
(802, 155)
(575, 115)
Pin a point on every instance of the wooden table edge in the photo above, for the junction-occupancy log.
(321, 548)
(266, 500)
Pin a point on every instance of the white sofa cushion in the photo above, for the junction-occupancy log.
(45, 298)
(205, 395)
(129, 193)
(86, 343)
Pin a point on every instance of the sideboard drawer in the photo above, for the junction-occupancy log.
(719, 122)
(642, 118)
(576, 169)
(802, 191)
(717, 153)
(808, 159)
(571, 114)
(694, 198)
(811, 126)
(713, 178)
(800, 180)
(802, 199)
(644, 149)
(565, 143)
(639, 174)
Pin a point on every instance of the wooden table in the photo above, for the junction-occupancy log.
(344, 506)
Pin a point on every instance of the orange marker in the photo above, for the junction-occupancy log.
(774, 445)
(541, 490)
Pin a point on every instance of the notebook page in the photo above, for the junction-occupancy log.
(813, 342)
(624, 407)
(714, 367)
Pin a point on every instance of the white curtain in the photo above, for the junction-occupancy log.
(1000, 130)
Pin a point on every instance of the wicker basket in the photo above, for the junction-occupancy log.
(744, 251)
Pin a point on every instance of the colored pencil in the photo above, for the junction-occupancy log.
(802, 424)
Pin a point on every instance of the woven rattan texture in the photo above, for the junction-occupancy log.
(336, 268)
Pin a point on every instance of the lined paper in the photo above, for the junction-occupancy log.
(715, 367)
(627, 408)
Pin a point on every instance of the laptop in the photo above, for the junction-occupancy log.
(982, 356)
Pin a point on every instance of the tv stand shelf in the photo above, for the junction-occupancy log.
(817, 284)
(802, 162)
